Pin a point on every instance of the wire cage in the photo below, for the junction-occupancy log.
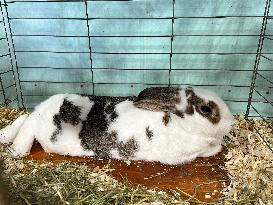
(121, 47)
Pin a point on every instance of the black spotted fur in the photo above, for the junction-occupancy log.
(94, 135)
(149, 133)
(127, 150)
(68, 113)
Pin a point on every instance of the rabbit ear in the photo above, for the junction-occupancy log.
(189, 91)
(158, 98)
(152, 105)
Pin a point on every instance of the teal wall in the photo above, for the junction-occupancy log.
(131, 45)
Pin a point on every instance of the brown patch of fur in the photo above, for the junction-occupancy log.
(197, 102)
(164, 99)
(166, 118)
(158, 98)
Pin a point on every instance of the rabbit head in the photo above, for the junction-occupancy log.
(199, 111)
(203, 112)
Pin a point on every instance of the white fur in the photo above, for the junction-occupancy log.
(183, 99)
(39, 125)
(182, 140)
(8, 133)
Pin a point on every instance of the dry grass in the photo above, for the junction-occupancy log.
(70, 183)
(250, 167)
(7, 115)
(250, 163)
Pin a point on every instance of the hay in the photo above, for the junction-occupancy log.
(7, 115)
(70, 183)
(249, 164)
(43, 182)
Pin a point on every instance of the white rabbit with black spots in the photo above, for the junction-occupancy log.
(169, 125)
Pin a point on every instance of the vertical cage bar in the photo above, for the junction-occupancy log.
(258, 55)
(3, 90)
(171, 52)
(89, 45)
(13, 48)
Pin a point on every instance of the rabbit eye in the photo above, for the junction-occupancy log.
(205, 109)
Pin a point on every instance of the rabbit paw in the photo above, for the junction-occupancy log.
(18, 150)
(6, 136)
(13, 153)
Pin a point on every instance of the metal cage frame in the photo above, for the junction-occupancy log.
(13, 62)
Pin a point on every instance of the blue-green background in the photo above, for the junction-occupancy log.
(217, 53)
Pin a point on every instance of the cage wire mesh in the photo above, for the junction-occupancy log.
(121, 47)
(9, 78)
(258, 76)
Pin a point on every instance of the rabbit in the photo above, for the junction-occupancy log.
(126, 128)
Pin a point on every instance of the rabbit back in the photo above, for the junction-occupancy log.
(77, 125)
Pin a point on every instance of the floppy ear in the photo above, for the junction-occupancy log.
(158, 99)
